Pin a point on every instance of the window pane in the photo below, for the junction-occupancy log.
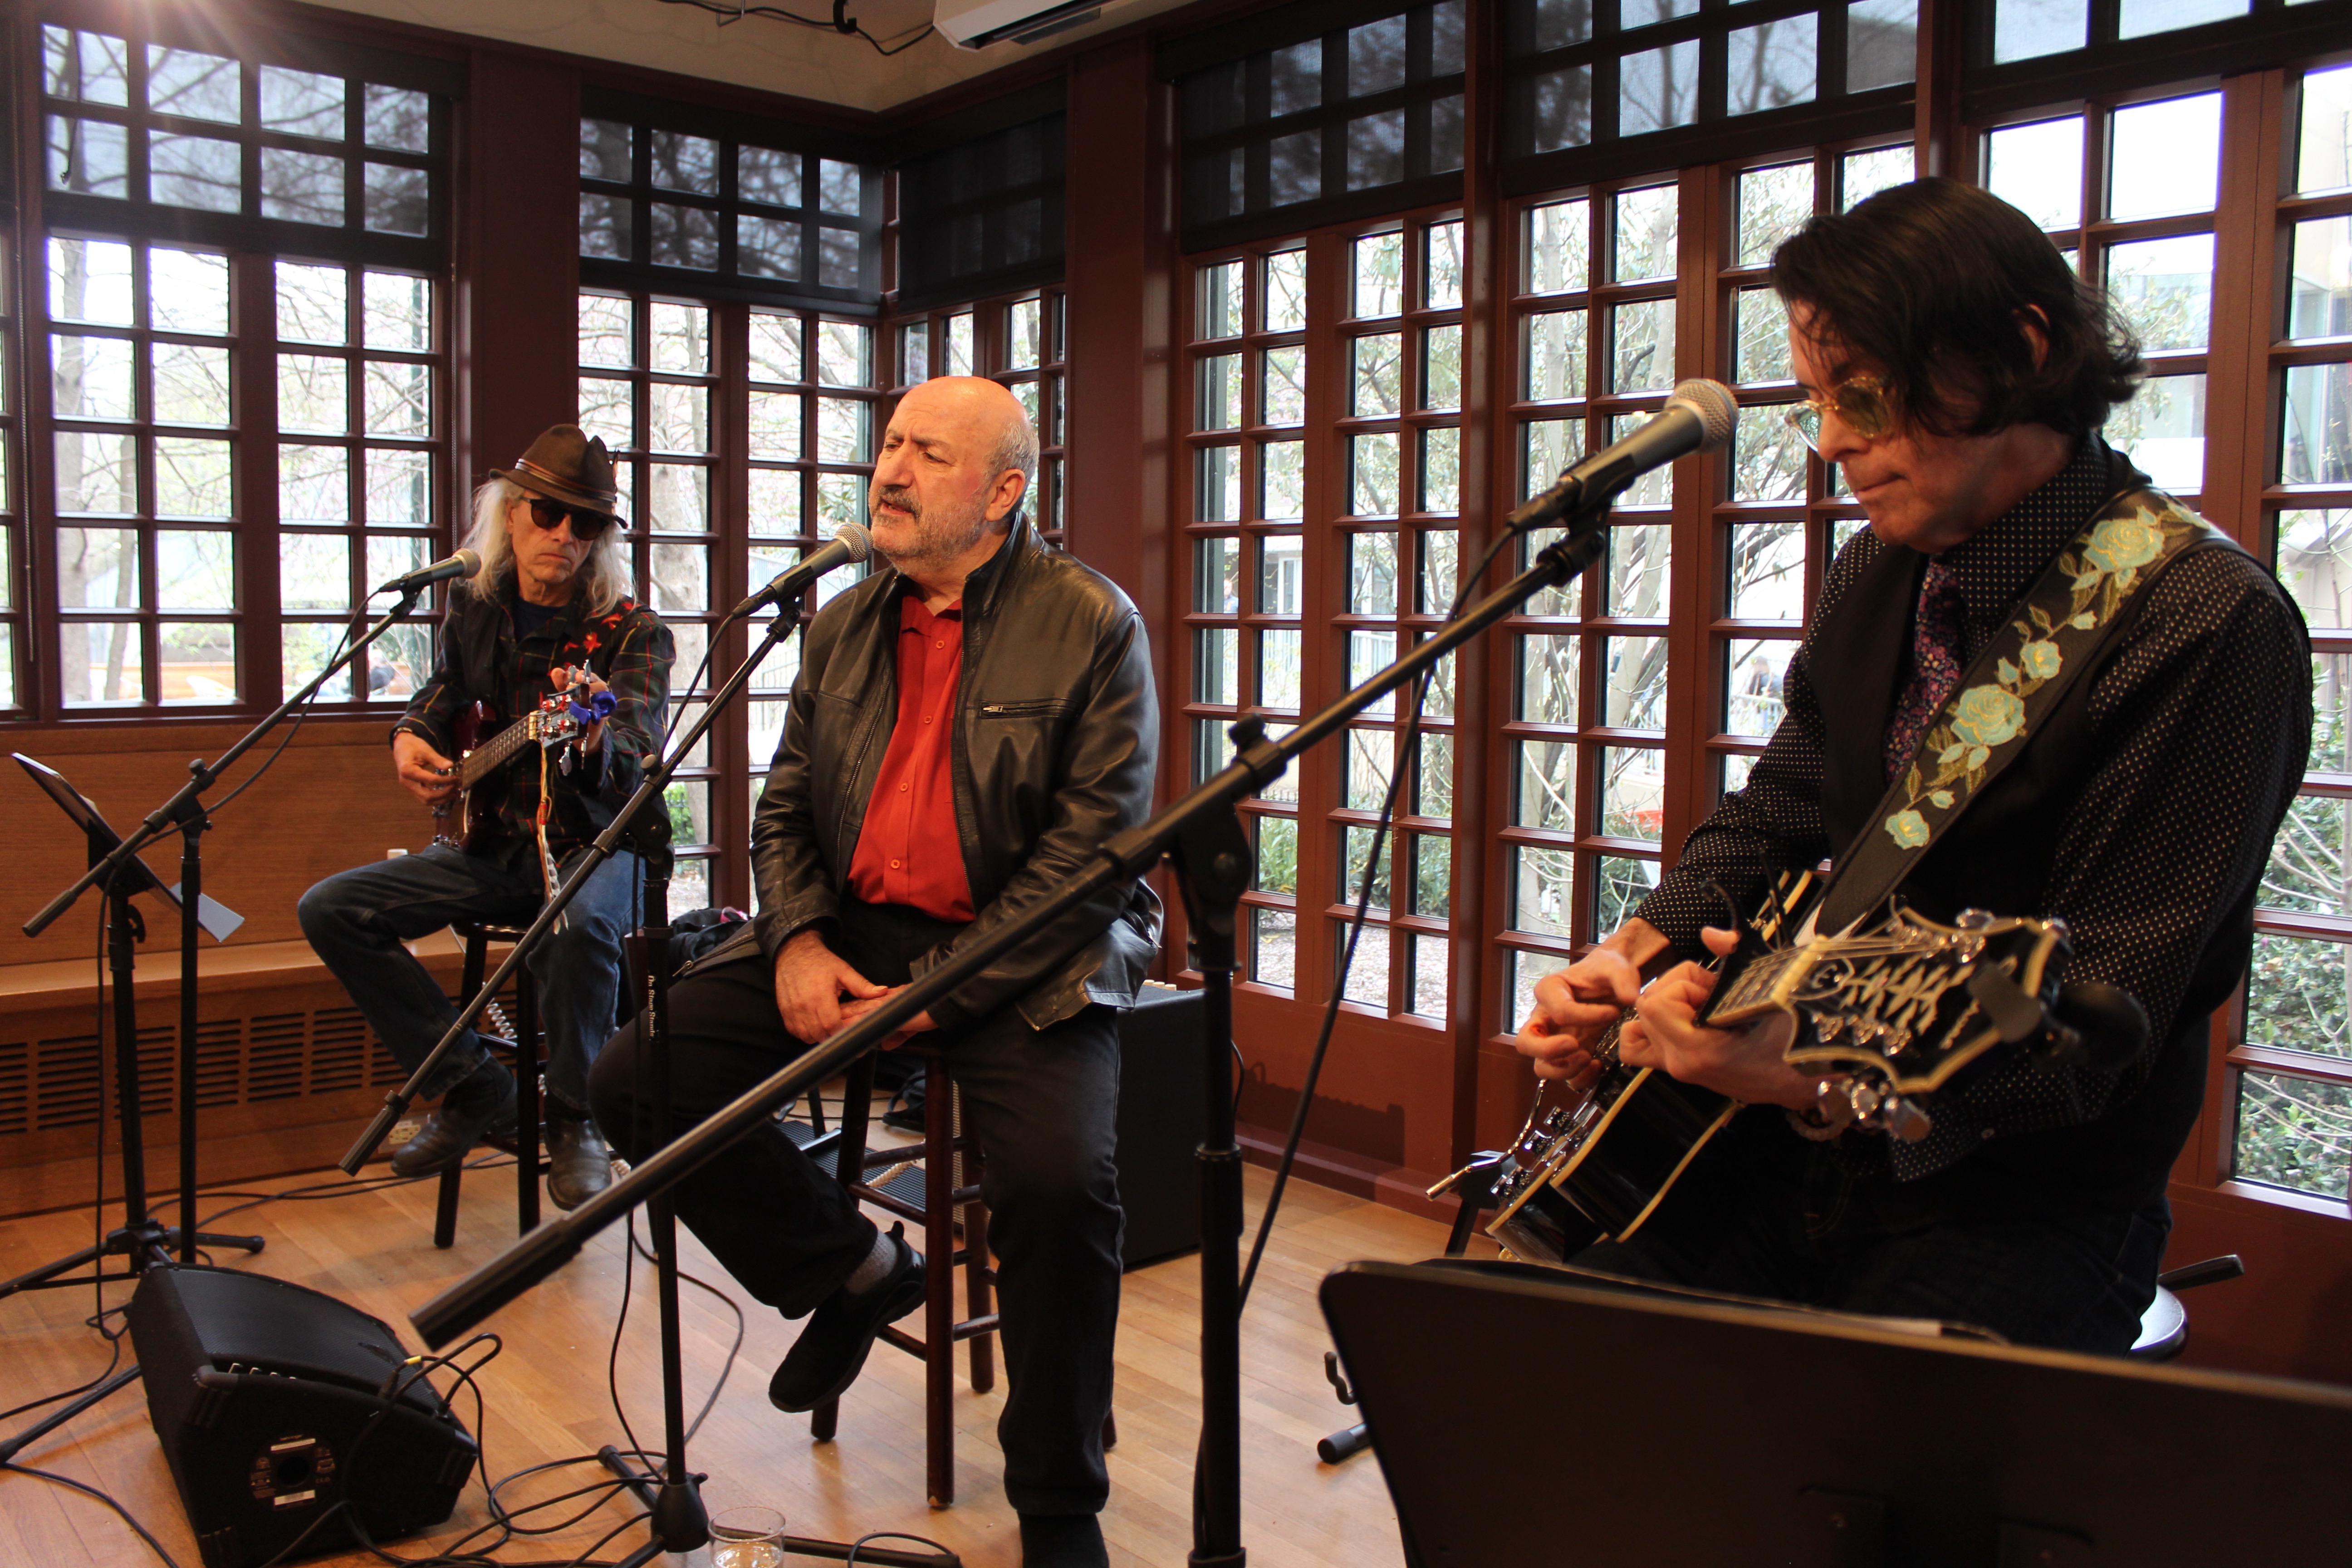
(1217, 575)
(191, 384)
(1547, 449)
(1641, 347)
(1286, 291)
(608, 332)
(2319, 286)
(89, 157)
(1762, 349)
(1221, 300)
(1379, 274)
(2037, 169)
(1659, 88)
(1547, 785)
(397, 118)
(605, 227)
(1442, 274)
(1440, 492)
(98, 568)
(2141, 17)
(2022, 29)
(1217, 484)
(90, 66)
(2293, 1133)
(1620, 886)
(1882, 43)
(1768, 571)
(314, 571)
(1372, 471)
(1359, 857)
(2163, 430)
(1277, 854)
(90, 280)
(2323, 146)
(1768, 457)
(680, 417)
(1274, 947)
(314, 484)
(313, 394)
(1283, 481)
(1561, 110)
(1645, 221)
(1867, 173)
(684, 236)
(1542, 886)
(1221, 393)
(2165, 157)
(1547, 678)
(1637, 570)
(1558, 237)
(1771, 65)
(1216, 664)
(311, 304)
(1370, 755)
(1279, 669)
(397, 312)
(2165, 289)
(2315, 447)
(1751, 688)
(2314, 561)
(2307, 874)
(197, 86)
(1634, 691)
(195, 569)
(1431, 957)
(1773, 204)
(200, 172)
(1371, 574)
(89, 378)
(682, 162)
(1554, 346)
(301, 103)
(1633, 792)
(1378, 369)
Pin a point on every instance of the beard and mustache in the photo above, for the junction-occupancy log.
(939, 537)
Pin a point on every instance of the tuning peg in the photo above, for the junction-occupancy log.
(1905, 1119)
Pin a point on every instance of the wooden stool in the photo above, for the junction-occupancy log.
(521, 1045)
(932, 1192)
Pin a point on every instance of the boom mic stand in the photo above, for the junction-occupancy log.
(1202, 827)
(185, 811)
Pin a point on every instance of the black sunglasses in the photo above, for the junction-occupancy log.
(585, 525)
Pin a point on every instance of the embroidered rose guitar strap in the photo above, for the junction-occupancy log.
(2049, 640)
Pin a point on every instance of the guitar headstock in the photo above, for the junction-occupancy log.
(1891, 1011)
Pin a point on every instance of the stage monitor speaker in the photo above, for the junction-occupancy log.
(270, 1401)
(1160, 1124)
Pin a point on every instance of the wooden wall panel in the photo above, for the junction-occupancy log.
(330, 803)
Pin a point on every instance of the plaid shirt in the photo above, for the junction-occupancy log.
(481, 657)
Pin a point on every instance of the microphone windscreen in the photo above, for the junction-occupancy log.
(853, 535)
(470, 562)
(1717, 410)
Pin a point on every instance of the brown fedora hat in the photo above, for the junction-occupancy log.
(566, 463)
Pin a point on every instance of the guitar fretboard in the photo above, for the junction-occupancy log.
(494, 751)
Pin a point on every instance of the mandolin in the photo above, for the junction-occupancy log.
(1887, 1014)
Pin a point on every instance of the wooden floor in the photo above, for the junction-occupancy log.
(548, 1400)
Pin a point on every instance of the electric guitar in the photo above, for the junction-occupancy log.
(483, 749)
(1889, 1015)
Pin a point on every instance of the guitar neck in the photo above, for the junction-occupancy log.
(494, 751)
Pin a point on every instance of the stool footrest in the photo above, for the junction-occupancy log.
(970, 1329)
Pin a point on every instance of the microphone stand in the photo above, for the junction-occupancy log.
(185, 811)
(1202, 827)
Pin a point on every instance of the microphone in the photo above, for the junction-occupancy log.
(850, 544)
(1697, 418)
(465, 563)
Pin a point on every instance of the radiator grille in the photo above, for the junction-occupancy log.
(48, 1084)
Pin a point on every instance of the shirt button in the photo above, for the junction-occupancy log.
(894, 865)
(902, 789)
(927, 718)
(939, 644)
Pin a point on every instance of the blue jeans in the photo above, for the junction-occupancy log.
(1762, 1213)
(358, 919)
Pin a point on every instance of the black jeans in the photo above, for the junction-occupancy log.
(1043, 1104)
(1761, 1212)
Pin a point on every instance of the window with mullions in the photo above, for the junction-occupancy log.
(647, 380)
(1016, 340)
(149, 122)
(1583, 73)
(1386, 539)
(1785, 517)
(1373, 108)
(704, 209)
(1593, 315)
(2029, 29)
(143, 457)
(2292, 1122)
(358, 362)
(812, 412)
(2137, 218)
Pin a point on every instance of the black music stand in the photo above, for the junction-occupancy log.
(144, 1241)
(1529, 1415)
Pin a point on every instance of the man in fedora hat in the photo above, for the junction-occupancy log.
(551, 598)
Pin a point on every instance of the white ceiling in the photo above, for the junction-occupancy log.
(755, 51)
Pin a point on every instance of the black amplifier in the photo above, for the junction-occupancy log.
(272, 1403)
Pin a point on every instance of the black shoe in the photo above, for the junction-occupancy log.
(826, 1360)
(579, 1161)
(450, 1134)
(1063, 1540)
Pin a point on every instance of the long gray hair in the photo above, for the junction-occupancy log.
(606, 573)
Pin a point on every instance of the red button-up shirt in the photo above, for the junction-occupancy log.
(908, 851)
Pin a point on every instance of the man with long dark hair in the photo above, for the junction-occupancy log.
(1958, 373)
(550, 597)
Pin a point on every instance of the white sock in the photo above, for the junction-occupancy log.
(876, 1267)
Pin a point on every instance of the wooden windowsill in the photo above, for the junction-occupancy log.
(239, 967)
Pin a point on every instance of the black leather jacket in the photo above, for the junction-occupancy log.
(1055, 749)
